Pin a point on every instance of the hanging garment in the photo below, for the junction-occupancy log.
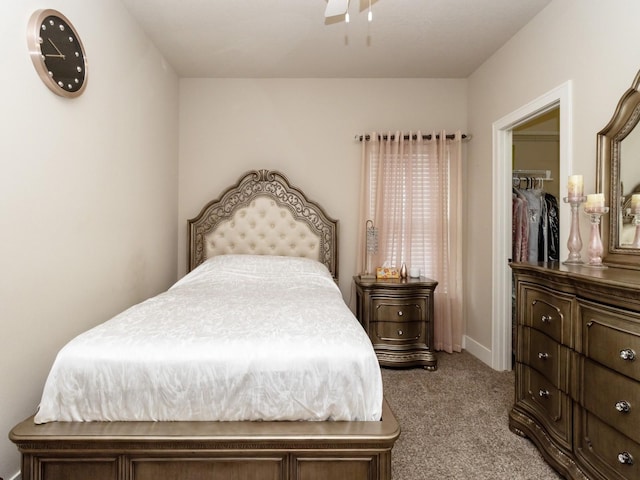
(534, 210)
(551, 237)
(520, 230)
(535, 225)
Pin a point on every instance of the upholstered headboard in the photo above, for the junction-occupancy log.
(264, 215)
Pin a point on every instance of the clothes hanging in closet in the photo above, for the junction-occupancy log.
(535, 222)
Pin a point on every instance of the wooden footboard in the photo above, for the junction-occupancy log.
(207, 450)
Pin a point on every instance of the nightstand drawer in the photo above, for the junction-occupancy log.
(549, 312)
(400, 310)
(397, 314)
(396, 332)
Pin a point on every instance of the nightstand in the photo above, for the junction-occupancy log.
(397, 314)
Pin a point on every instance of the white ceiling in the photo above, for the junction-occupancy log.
(291, 38)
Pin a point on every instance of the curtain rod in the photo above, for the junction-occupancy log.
(406, 137)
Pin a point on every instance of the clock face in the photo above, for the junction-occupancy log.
(57, 53)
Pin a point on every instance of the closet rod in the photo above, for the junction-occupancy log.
(406, 137)
(543, 174)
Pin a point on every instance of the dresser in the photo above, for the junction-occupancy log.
(577, 371)
(397, 314)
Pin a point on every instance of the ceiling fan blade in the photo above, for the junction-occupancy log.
(336, 7)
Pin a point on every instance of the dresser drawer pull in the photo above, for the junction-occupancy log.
(543, 393)
(399, 313)
(543, 355)
(625, 458)
(623, 406)
(400, 332)
(627, 354)
(546, 319)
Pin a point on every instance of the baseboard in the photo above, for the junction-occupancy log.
(478, 350)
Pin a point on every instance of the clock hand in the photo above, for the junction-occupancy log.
(60, 55)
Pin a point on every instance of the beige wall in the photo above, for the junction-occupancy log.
(88, 194)
(305, 128)
(593, 44)
(536, 146)
(72, 197)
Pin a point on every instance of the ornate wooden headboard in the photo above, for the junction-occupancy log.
(263, 214)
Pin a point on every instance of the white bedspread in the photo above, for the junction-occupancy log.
(239, 338)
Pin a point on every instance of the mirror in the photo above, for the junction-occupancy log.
(618, 177)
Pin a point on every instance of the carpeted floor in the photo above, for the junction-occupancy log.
(454, 424)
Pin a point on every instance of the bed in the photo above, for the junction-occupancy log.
(261, 230)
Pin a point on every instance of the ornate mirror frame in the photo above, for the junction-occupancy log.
(608, 177)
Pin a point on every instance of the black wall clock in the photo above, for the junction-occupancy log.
(57, 52)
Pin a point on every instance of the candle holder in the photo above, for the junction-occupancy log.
(636, 222)
(574, 243)
(595, 241)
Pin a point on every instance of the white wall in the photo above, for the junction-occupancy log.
(305, 128)
(594, 44)
(88, 194)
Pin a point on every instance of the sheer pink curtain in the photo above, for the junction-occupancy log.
(410, 189)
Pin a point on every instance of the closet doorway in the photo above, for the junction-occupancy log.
(508, 132)
(536, 189)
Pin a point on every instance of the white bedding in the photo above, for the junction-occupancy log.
(241, 337)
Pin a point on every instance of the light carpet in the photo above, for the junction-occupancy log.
(455, 425)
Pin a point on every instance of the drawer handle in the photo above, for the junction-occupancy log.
(399, 313)
(400, 332)
(625, 458)
(543, 393)
(543, 355)
(627, 354)
(546, 319)
(623, 406)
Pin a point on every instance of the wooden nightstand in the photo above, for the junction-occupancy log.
(398, 317)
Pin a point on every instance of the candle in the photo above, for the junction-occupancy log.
(576, 186)
(595, 200)
(635, 203)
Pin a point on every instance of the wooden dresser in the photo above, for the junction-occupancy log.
(578, 368)
(398, 316)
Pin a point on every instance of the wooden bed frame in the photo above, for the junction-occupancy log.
(261, 214)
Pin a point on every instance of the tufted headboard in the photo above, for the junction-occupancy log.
(264, 215)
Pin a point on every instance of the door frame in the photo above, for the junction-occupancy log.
(501, 351)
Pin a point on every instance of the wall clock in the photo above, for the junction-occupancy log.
(57, 52)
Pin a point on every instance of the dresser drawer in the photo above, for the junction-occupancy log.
(612, 397)
(398, 310)
(606, 451)
(612, 338)
(546, 356)
(548, 312)
(396, 332)
(550, 406)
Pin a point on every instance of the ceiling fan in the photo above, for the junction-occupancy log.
(336, 7)
(341, 7)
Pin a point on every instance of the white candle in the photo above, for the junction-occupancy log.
(576, 186)
(635, 203)
(595, 200)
